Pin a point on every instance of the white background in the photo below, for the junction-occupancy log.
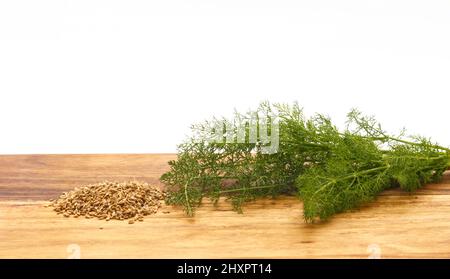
(131, 76)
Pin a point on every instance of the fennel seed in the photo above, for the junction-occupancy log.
(130, 201)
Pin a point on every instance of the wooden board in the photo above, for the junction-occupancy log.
(396, 225)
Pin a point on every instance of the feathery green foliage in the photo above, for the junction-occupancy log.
(331, 170)
(366, 161)
(241, 171)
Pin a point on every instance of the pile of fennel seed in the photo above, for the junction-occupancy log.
(131, 200)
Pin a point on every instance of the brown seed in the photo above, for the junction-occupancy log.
(110, 200)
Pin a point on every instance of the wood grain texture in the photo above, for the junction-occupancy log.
(396, 225)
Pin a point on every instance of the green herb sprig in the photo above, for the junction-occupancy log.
(330, 170)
